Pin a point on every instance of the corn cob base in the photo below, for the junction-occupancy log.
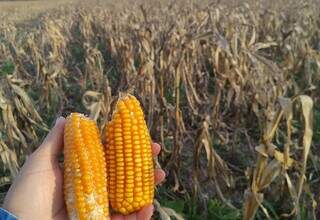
(85, 174)
(129, 158)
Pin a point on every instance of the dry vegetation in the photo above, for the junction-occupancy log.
(231, 91)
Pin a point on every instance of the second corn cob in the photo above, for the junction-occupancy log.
(85, 175)
(129, 158)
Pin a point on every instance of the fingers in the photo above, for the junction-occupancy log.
(156, 148)
(53, 143)
(144, 214)
(159, 176)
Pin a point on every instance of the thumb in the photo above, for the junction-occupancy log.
(53, 143)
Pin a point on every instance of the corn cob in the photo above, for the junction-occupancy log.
(85, 175)
(129, 158)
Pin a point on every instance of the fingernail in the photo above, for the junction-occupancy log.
(151, 213)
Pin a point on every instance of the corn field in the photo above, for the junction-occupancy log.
(230, 90)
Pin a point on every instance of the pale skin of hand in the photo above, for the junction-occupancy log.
(37, 191)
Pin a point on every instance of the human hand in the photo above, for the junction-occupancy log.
(37, 191)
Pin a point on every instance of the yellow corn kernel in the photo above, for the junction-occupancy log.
(85, 174)
(129, 158)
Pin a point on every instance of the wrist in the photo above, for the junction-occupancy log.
(7, 215)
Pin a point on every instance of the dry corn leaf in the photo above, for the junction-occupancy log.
(166, 213)
(307, 107)
(93, 102)
(270, 172)
(251, 204)
(9, 159)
